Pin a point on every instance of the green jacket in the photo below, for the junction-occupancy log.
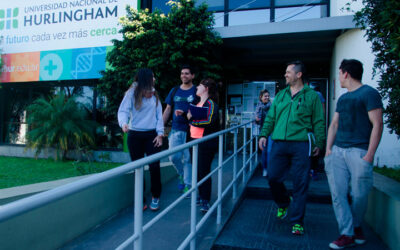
(292, 119)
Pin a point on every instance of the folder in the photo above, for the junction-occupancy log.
(198, 113)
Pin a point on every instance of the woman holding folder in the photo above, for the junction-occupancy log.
(204, 120)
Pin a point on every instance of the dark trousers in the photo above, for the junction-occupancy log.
(265, 153)
(141, 143)
(205, 156)
(292, 155)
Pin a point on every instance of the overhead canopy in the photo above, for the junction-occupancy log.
(260, 50)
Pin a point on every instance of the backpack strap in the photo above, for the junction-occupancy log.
(174, 90)
(173, 93)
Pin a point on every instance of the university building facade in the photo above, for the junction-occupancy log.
(49, 45)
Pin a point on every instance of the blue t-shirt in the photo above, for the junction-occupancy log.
(354, 125)
(320, 97)
(181, 100)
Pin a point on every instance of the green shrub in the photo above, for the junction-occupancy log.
(393, 173)
(60, 123)
(380, 21)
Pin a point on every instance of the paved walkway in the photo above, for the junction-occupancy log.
(170, 231)
(252, 226)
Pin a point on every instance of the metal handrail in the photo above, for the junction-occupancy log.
(195, 226)
(19, 207)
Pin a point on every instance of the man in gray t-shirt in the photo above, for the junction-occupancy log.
(353, 137)
(354, 123)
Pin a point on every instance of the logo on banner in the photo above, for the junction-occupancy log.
(8, 19)
(88, 62)
(51, 67)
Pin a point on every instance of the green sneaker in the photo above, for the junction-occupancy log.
(297, 229)
(282, 213)
(181, 184)
(186, 190)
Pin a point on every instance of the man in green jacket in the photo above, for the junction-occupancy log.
(297, 126)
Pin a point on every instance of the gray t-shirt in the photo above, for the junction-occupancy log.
(354, 125)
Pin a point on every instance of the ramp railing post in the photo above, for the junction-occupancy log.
(193, 212)
(244, 153)
(251, 147)
(234, 188)
(220, 157)
(138, 210)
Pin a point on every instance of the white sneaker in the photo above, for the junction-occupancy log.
(264, 172)
(154, 206)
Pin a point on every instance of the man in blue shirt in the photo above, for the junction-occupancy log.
(353, 137)
(179, 99)
(315, 159)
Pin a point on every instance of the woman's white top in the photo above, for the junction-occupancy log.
(148, 117)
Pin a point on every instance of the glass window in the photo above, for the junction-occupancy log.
(15, 103)
(279, 3)
(86, 97)
(297, 13)
(161, 5)
(248, 17)
(213, 5)
(248, 4)
(219, 19)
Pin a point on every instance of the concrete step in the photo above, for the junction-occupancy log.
(318, 191)
(254, 226)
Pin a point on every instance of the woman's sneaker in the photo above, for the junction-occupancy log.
(359, 237)
(264, 173)
(205, 206)
(181, 184)
(186, 191)
(154, 206)
(342, 242)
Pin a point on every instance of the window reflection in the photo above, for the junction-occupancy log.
(248, 17)
(297, 13)
(258, 11)
(161, 5)
(285, 3)
(248, 4)
(219, 19)
(213, 5)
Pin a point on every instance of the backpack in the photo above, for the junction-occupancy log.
(174, 90)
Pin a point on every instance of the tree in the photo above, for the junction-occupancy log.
(1, 66)
(381, 21)
(60, 123)
(164, 44)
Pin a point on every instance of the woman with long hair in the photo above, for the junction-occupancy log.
(140, 115)
(200, 126)
(262, 109)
